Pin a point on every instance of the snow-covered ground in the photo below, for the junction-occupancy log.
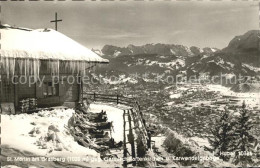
(176, 95)
(177, 62)
(200, 141)
(256, 69)
(251, 99)
(158, 141)
(17, 134)
(195, 144)
(170, 103)
(119, 80)
(16, 128)
(26, 134)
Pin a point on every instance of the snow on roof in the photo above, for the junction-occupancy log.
(43, 44)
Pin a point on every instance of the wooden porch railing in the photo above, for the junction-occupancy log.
(135, 112)
(118, 99)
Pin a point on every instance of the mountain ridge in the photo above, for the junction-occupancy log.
(158, 48)
(249, 41)
(240, 57)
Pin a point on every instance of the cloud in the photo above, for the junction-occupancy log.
(179, 32)
(125, 35)
(115, 34)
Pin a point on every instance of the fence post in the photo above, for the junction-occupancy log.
(117, 99)
(124, 145)
(131, 137)
(94, 96)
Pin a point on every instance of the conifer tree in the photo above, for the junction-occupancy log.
(245, 139)
(223, 135)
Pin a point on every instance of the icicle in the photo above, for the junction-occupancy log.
(57, 67)
(7, 67)
(13, 66)
(19, 62)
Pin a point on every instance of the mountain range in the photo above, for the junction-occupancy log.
(240, 57)
(159, 49)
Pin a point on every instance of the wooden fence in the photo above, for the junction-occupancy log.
(118, 99)
(135, 112)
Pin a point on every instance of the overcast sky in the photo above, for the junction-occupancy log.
(94, 24)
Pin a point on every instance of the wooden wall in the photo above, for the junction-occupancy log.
(7, 91)
(14, 93)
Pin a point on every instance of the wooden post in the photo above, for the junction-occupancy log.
(149, 140)
(133, 116)
(15, 94)
(117, 99)
(125, 149)
(1, 91)
(79, 88)
(131, 139)
(82, 90)
(94, 96)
